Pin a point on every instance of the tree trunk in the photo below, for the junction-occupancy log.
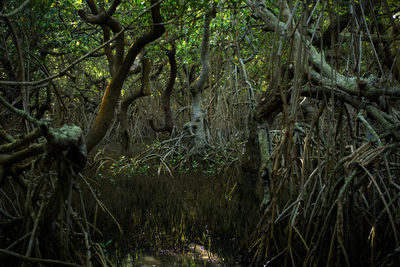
(144, 91)
(196, 125)
(166, 95)
(110, 99)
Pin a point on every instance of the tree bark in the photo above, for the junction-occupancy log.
(107, 108)
(166, 95)
(144, 91)
(196, 125)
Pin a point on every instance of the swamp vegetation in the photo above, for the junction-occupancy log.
(259, 133)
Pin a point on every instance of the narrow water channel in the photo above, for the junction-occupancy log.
(195, 256)
(177, 215)
(150, 259)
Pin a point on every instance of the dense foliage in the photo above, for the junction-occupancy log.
(292, 106)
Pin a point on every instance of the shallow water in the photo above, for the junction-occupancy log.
(154, 259)
(150, 259)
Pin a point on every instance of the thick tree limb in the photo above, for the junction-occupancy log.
(90, 53)
(35, 134)
(166, 95)
(196, 126)
(127, 101)
(48, 261)
(105, 116)
(105, 20)
(320, 72)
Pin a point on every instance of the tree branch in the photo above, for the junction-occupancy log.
(166, 95)
(113, 91)
(22, 6)
(49, 261)
(63, 71)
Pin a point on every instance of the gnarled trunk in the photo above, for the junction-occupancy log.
(110, 99)
(166, 95)
(196, 125)
(144, 91)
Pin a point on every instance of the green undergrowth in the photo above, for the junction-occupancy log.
(154, 164)
(165, 211)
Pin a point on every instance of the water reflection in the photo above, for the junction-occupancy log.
(159, 260)
(150, 259)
